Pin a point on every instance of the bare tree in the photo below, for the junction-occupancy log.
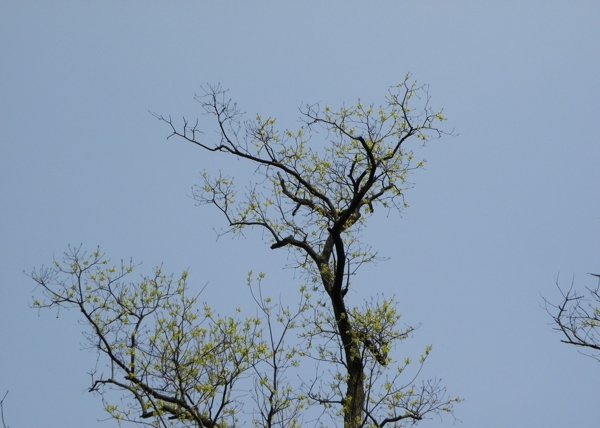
(577, 317)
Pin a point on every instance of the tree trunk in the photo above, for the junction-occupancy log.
(354, 399)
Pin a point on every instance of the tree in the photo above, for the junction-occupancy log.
(179, 363)
(577, 317)
(312, 200)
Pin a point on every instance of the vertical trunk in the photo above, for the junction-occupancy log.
(354, 399)
(355, 392)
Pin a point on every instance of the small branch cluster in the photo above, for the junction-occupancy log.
(577, 317)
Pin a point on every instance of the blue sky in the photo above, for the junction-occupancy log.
(500, 210)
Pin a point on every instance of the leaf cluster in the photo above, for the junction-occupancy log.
(179, 362)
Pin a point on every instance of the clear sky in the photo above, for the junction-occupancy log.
(499, 212)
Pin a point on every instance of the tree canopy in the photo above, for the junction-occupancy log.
(319, 361)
